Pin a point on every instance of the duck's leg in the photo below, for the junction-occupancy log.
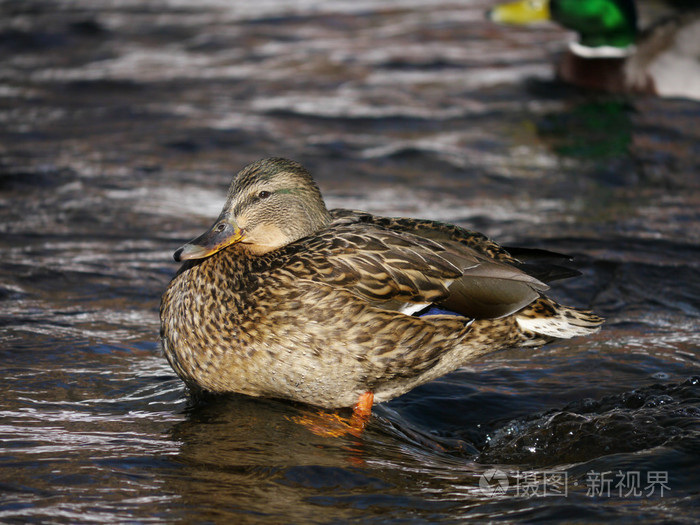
(362, 410)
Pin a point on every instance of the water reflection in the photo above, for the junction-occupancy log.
(592, 130)
(251, 456)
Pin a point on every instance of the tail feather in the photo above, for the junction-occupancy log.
(546, 318)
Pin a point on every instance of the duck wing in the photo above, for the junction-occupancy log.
(407, 265)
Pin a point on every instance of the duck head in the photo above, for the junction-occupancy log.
(270, 204)
(609, 23)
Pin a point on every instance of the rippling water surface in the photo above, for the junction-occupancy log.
(121, 124)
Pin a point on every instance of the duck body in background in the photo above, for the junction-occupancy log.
(611, 53)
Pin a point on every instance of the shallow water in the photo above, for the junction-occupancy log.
(122, 123)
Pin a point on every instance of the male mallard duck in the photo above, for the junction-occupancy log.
(283, 298)
(611, 54)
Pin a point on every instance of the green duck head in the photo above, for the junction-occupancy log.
(271, 203)
(611, 23)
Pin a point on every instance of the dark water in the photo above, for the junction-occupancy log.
(121, 125)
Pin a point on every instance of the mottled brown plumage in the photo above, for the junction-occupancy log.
(282, 298)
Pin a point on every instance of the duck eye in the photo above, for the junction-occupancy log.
(264, 194)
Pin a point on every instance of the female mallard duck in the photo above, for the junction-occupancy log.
(283, 298)
(611, 54)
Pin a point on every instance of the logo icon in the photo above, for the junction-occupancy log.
(493, 483)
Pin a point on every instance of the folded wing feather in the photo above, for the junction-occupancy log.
(395, 267)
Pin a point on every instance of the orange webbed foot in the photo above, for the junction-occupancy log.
(332, 424)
